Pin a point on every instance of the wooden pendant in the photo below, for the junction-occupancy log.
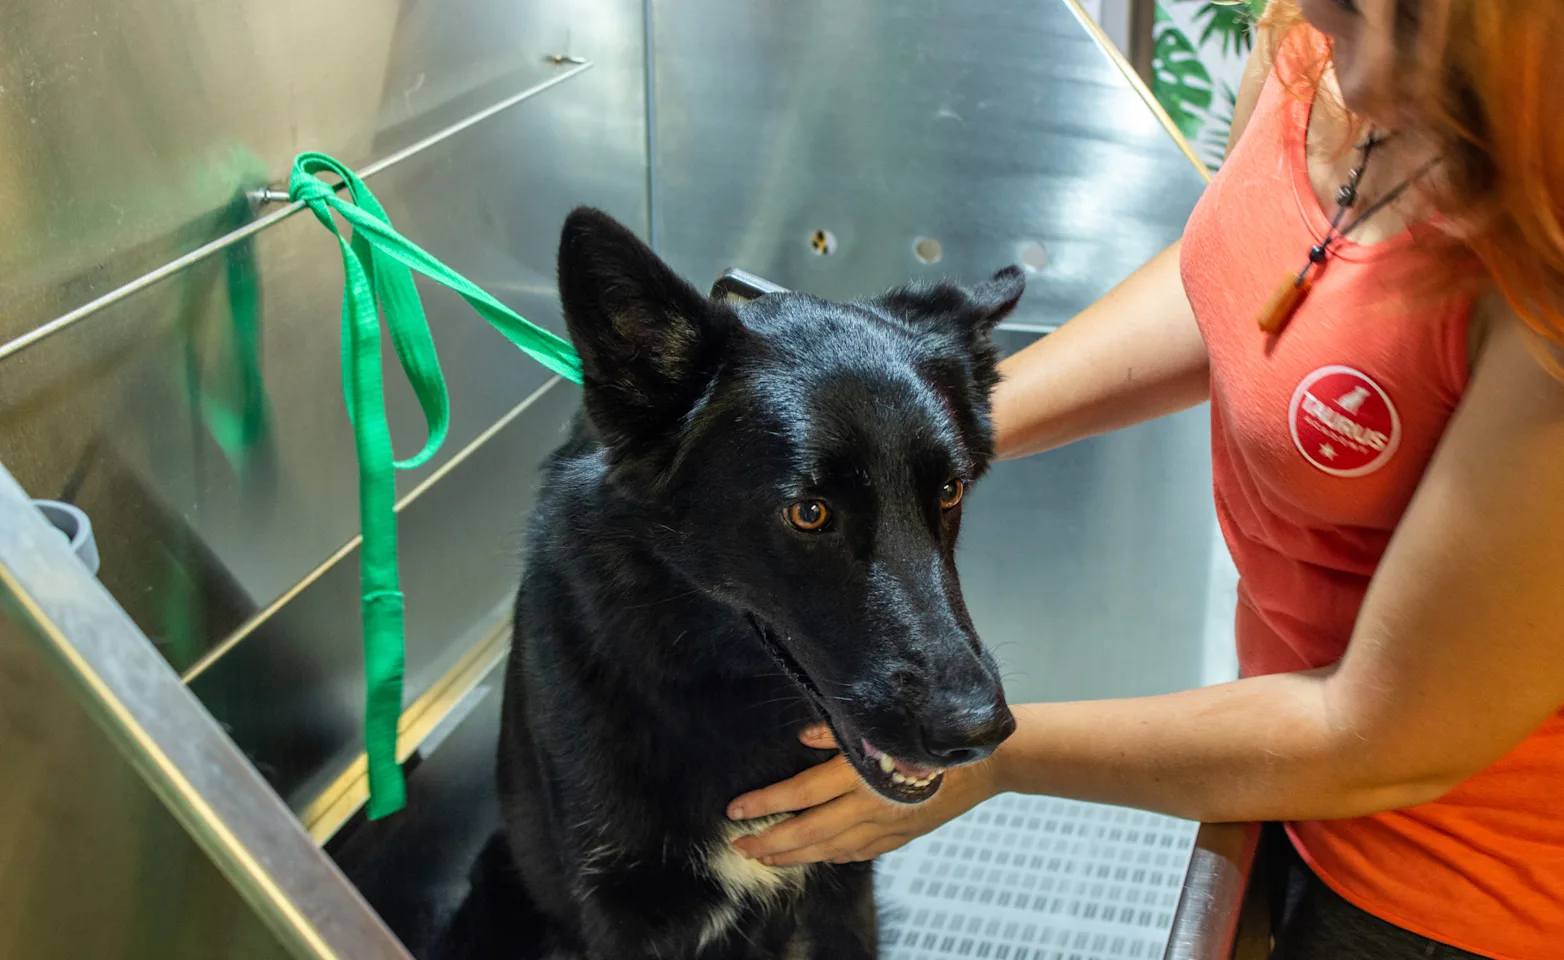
(1284, 303)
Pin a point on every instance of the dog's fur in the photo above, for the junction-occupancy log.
(674, 633)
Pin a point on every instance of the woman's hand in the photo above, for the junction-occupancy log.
(843, 819)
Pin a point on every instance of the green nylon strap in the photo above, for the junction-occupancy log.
(377, 263)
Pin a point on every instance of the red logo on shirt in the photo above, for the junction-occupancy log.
(1343, 422)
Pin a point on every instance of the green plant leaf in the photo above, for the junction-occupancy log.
(1180, 82)
(1219, 125)
(1231, 23)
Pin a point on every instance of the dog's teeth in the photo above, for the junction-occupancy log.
(898, 778)
(887, 763)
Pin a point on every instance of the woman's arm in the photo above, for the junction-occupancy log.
(1134, 355)
(1455, 658)
(1457, 654)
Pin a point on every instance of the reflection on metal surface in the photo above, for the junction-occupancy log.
(985, 126)
(1113, 53)
(195, 256)
(456, 459)
(459, 541)
(1213, 895)
(1086, 568)
(475, 119)
(131, 122)
(176, 746)
(324, 816)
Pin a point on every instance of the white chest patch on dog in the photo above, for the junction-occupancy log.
(743, 879)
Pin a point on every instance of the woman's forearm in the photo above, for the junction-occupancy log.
(1134, 355)
(1258, 749)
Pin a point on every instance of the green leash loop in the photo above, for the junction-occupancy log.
(377, 280)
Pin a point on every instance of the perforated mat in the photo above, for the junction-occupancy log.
(1033, 878)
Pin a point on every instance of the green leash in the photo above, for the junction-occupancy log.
(377, 263)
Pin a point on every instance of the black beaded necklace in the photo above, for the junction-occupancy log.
(1290, 295)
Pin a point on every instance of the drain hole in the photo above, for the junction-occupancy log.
(1034, 256)
(823, 242)
(928, 250)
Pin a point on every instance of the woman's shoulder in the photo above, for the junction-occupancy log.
(1495, 323)
(1293, 59)
(1256, 72)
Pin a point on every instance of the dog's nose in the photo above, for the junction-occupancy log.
(967, 735)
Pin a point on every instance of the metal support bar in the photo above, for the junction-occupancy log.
(177, 747)
(39, 334)
(1206, 922)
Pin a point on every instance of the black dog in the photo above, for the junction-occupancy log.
(750, 529)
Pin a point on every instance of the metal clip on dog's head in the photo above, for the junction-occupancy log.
(737, 285)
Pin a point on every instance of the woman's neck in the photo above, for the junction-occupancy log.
(1333, 152)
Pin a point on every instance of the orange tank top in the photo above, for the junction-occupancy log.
(1319, 439)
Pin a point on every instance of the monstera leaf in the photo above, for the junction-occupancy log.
(1180, 82)
(1232, 24)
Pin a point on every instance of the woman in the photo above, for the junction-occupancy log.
(1388, 444)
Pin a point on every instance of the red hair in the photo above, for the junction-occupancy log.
(1480, 75)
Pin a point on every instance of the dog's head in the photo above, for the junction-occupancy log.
(807, 463)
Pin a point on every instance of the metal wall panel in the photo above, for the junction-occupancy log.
(198, 539)
(986, 127)
(489, 200)
(1086, 569)
(128, 126)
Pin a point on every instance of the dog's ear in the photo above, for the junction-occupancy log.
(965, 364)
(970, 313)
(650, 344)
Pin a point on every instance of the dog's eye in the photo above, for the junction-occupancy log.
(951, 494)
(808, 515)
